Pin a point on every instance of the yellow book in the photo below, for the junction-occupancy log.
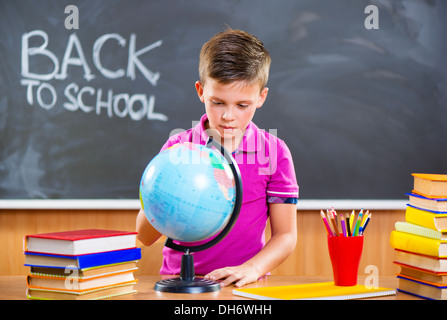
(425, 218)
(313, 291)
(417, 244)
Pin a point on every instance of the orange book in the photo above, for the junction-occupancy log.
(89, 294)
(74, 283)
(430, 185)
(422, 275)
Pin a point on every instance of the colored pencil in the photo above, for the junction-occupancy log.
(351, 220)
(366, 222)
(357, 223)
(348, 225)
(334, 214)
(334, 224)
(343, 225)
(328, 228)
(365, 216)
(329, 221)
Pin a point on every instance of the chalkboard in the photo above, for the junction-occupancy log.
(90, 90)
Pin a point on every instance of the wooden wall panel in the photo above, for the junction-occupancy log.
(309, 258)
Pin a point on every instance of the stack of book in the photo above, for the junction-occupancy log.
(420, 241)
(81, 264)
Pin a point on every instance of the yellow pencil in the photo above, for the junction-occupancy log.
(351, 221)
(364, 218)
(348, 225)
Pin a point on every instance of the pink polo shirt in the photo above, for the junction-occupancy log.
(268, 175)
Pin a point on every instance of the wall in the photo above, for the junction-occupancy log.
(309, 258)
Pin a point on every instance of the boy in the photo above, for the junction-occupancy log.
(234, 68)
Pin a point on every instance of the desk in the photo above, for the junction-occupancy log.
(14, 288)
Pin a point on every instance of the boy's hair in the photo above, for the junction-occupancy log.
(234, 55)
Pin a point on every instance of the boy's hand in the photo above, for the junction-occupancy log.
(241, 275)
(275, 251)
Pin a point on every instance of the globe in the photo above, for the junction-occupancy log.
(193, 194)
(188, 192)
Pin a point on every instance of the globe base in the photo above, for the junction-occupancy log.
(187, 282)
(179, 285)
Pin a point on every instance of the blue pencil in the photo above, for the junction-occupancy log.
(366, 222)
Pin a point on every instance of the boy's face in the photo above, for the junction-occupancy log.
(230, 107)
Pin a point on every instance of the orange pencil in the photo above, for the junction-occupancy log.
(334, 213)
(334, 224)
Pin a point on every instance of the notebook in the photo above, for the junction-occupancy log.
(313, 291)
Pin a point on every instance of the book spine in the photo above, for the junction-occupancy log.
(104, 258)
(416, 244)
(420, 217)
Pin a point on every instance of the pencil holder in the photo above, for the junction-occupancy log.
(345, 253)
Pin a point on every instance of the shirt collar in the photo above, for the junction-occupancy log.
(250, 141)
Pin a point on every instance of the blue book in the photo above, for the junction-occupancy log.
(33, 259)
(422, 289)
(424, 203)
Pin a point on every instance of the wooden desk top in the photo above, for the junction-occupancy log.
(14, 288)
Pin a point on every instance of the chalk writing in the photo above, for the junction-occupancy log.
(40, 86)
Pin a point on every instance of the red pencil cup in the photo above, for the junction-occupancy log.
(345, 253)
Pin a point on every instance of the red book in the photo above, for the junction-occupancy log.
(79, 242)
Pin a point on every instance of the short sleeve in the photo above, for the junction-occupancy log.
(282, 186)
(272, 199)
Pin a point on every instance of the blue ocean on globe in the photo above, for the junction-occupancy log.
(188, 192)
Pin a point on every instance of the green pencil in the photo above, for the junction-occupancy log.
(357, 224)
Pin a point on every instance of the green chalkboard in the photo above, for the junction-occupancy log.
(84, 108)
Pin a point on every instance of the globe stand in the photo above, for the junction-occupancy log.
(188, 282)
